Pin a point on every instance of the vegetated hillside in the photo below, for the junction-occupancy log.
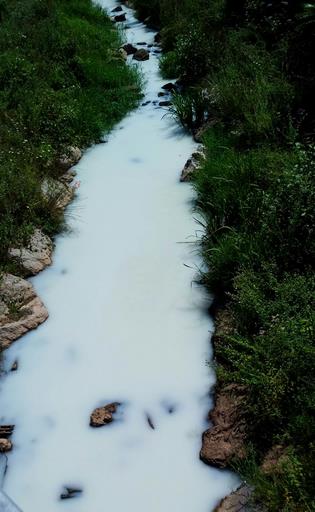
(248, 71)
(62, 83)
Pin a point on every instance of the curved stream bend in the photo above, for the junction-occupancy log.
(125, 325)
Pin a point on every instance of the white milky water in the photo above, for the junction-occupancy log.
(126, 324)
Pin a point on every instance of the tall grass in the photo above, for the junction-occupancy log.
(62, 82)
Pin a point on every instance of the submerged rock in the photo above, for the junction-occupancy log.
(237, 501)
(117, 9)
(165, 103)
(103, 415)
(35, 256)
(226, 439)
(20, 309)
(141, 55)
(70, 492)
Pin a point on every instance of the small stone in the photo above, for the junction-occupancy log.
(5, 445)
(170, 87)
(70, 493)
(142, 43)
(146, 103)
(103, 415)
(160, 94)
(165, 103)
(129, 49)
(117, 9)
(120, 17)
(6, 430)
(141, 55)
(150, 422)
(15, 366)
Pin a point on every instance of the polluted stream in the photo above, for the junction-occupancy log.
(127, 324)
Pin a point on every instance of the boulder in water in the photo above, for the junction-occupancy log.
(103, 415)
(141, 55)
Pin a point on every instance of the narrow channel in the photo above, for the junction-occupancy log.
(127, 324)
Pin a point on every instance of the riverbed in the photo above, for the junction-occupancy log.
(127, 324)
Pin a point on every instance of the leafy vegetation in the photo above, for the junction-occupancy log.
(62, 83)
(248, 71)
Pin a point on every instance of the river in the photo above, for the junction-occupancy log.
(127, 324)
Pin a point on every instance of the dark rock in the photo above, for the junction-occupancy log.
(129, 49)
(226, 439)
(160, 94)
(120, 17)
(170, 87)
(157, 38)
(15, 366)
(165, 103)
(150, 422)
(142, 43)
(117, 9)
(146, 103)
(192, 165)
(6, 430)
(70, 493)
(141, 55)
(103, 415)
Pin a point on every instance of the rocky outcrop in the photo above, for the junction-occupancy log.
(141, 55)
(57, 193)
(20, 309)
(226, 438)
(192, 165)
(103, 415)
(71, 157)
(237, 501)
(35, 256)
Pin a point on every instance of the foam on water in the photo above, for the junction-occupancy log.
(126, 324)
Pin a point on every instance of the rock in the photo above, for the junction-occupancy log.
(68, 176)
(274, 460)
(237, 501)
(142, 43)
(5, 445)
(20, 309)
(120, 17)
(157, 38)
(15, 366)
(6, 430)
(57, 193)
(141, 55)
(199, 133)
(103, 415)
(70, 493)
(150, 422)
(36, 256)
(192, 165)
(146, 103)
(129, 49)
(170, 87)
(117, 9)
(226, 439)
(165, 103)
(70, 158)
(160, 94)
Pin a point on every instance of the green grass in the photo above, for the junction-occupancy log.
(62, 82)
